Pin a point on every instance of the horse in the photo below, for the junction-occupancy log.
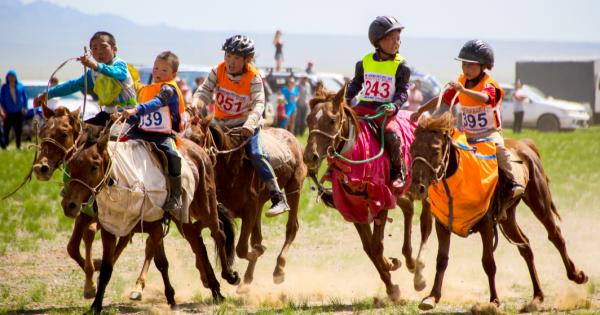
(332, 123)
(435, 159)
(240, 190)
(89, 170)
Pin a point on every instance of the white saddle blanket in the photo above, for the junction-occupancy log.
(274, 144)
(139, 189)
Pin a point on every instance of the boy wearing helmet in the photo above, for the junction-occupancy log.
(380, 78)
(480, 97)
(240, 102)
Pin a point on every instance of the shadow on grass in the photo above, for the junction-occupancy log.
(109, 309)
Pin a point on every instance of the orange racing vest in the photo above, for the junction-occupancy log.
(232, 99)
(161, 121)
(479, 117)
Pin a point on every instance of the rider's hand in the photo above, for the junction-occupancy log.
(390, 111)
(129, 112)
(88, 61)
(414, 117)
(456, 86)
(246, 133)
(115, 116)
(38, 100)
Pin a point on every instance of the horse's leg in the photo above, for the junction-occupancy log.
(434, 296)
(257, 250)
(140, 284)
(545, 213)
(426, 223)
(89, 232)
(108, 251)
(406, 204)
(514, 233)
(291, 229)
(121, 244)
(392, 290)
(249, 221)
(218, 234)
(486, 230)
(156, 234)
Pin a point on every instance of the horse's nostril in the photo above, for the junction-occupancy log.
(421, 189)
(44, 168)
(72, 205)
(315, 157)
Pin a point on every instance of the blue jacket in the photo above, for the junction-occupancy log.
(8, 104)
(290, 99)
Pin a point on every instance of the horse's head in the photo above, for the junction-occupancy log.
(430, 152)
(325, 122)
(88, 170)
(58, 136)
(200, 127)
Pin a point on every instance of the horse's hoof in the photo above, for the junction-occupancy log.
(534, 306)
(243, 289)
(135, 296)
(217, 296)
(394, 293)
(427, 304)
(396, 263)
(232, 278)
(419, 283)
(174, 307)
(97, 264)
(486, 308)
(411, 265)
(278, 278)
(89, 293)
(581, 278)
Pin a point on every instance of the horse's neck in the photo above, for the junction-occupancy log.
(452, 166)
(347, 132)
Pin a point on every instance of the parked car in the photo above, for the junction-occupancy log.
(544, 114)
(277, 79)
(430, 87)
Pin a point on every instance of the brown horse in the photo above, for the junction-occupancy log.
(89, 175)
(435, 157)
(329, 123)
(246, 195)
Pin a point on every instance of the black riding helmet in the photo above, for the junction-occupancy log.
(381, 26)
(239, 45)
(477, 51)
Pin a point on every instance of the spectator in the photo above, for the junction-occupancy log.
(309, 67)
(290, 92)
(415, 97)
(304, 94)
(520, 98)
(185, 90)
(278, 42)
(2, 117)
(13, 99)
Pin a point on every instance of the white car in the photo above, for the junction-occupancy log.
(185, 72)
(544, 114)
(72, 102)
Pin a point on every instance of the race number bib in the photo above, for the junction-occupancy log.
(379, 87)
(231, 103)
(477, 119)
(158, 121)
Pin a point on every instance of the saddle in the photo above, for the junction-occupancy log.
(138, 189)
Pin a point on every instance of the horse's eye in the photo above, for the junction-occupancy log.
(332, 121)
(94, 168)
(64, 134)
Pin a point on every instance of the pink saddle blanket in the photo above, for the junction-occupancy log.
(361, 191)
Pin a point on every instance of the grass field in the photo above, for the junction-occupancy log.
(327, 270)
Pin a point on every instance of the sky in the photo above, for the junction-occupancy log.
(547, 20)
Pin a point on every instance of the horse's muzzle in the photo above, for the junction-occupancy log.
(42, 170)
(70, 208)
(418, 191)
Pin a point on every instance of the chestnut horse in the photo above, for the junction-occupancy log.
(329, 123)
(89, 170)
(435, 159)
(240, 190)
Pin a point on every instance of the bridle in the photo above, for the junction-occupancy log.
(96, 189)
(439, 172)
(334, 139)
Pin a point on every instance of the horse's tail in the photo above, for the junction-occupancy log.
(229, 230)
(538, 171)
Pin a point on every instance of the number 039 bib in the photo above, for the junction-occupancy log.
(158, 121)
(379, 79)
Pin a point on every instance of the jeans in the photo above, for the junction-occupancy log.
(258, 158)
(13, 121)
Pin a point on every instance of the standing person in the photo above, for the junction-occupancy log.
(309, 67)
(14, 104)
(480, 97)
(160, 114)
(2, 118)
(236, 81)
(108, 77)
(304, 95)
(290, 92)
(384, 76)
(278, 43)
(415, 97)
(519, 98)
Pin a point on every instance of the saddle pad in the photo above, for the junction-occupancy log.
(471, 186)
(138, 190)
(274, 145)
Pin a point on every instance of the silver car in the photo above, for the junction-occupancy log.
(542, 113)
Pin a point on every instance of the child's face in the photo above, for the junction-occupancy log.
(162, 71)
(390, 43)
(234, 63)
(471, 69)
(102, 50)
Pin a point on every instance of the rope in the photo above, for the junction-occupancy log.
(27, 177)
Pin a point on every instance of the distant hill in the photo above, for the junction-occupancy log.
(35, 38)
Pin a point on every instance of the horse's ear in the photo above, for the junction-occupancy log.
(103, 142)
(205, 121)
(47, 112)
(315, 100)
(339, 99)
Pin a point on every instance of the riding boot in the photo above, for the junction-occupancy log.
(397, 171)
(279, 202)
(516, 190)
(174, 203)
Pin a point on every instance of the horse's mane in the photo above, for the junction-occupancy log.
(443, 124)
(61, 111)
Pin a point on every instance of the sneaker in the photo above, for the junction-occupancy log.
(279, 205)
